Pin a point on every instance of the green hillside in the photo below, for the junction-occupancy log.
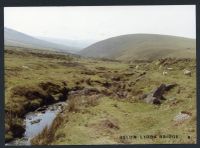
(142, 47)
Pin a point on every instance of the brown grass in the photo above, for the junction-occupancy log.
(75, 105)
(48, 134)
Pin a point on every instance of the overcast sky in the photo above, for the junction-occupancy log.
(101, 22)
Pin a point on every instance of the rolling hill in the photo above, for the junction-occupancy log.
(15, 38)
(142, 47)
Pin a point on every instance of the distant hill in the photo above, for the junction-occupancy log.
(16, 38)
(142, 47)
(77, 45)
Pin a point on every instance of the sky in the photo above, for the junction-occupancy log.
(101, 22)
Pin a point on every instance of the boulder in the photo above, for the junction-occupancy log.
(158, 92)
(170, 86)
(156, 101)
(155, 96)
(36, 121)
(152, 100)
(182, 116)
(187, 72)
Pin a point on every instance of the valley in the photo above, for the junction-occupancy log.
(107, 99)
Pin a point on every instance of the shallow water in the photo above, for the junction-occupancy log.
(36, 121)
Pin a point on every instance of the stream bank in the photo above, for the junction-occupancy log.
(27, 99)
(36, 121)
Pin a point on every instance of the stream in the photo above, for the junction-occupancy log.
(36, 121)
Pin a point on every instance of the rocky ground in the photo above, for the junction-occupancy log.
(109, 102)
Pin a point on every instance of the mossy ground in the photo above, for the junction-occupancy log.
(113, 116)
(133, 119)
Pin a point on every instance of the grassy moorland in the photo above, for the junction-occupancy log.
(103, 97)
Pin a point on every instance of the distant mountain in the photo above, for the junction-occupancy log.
(76, 44)
(142, 47)
(16, 38)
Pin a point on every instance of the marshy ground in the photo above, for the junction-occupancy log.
(104, 98)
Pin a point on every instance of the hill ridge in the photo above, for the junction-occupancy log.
(16, 38)
(141, 46)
